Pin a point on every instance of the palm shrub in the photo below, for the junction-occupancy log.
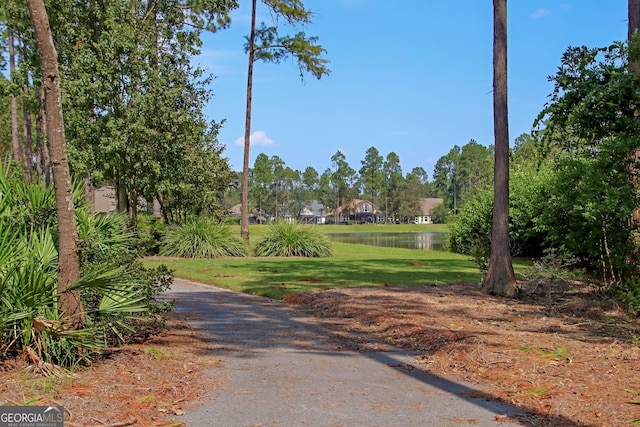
(116, 291)
(107, 245)
(29, 315)
(293, 239)
(201, 238)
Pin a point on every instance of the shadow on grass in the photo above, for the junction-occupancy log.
(275, 277)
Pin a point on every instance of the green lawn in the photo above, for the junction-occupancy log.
(351, 265)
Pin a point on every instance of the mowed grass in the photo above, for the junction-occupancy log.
(350, 266)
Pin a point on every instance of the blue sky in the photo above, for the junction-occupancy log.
(412, 76)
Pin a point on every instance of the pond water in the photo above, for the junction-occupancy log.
(422, 241)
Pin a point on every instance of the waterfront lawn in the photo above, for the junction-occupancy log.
(351, 266)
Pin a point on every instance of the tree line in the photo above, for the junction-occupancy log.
(132, 99)
(277, 190)
(133, 118)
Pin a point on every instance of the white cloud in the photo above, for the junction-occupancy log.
(258, 138)
(540, 13)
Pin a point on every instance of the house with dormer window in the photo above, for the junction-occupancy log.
(358, 211)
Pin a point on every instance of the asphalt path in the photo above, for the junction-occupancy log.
(281, 367)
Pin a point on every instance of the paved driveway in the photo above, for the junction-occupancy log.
(282, 369)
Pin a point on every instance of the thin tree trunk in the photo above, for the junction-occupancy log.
(39, 151)
(28, 138)
(633, 15)
(16, 150)
(46, 156)
(69, 244)
(500, 278)
(244, 221)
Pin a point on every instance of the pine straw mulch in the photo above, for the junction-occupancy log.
(561, 353)
(145, 384)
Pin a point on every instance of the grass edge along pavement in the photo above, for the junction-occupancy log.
(350, 266)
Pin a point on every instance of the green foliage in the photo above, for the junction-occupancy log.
(440, 214)
(628, 292)
(150, 232)
(458, 174)
(201, 238)
(529, 193)
(591, 125)
(117, 292)
(290, 239)
(588, 212)
(471, 231)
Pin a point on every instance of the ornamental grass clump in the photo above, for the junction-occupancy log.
(201, 238)
(292, 239)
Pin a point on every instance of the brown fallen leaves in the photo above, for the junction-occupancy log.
(146, 384)
(566, 357)
(561, 353)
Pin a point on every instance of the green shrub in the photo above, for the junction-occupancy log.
(292, 239)
(151, 231)
(201, 238)
(587, 215)
(232, 220)
(117, 292)
(529, 194)
(628, 292)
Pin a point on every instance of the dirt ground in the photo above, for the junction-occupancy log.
(567, 358)
(143, 384)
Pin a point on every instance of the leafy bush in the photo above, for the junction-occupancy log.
(107, 245)
(292, 239)
(440, 214)
(150, 233)
(232, 220)
(588, 213)
(201, 238)
(529, 193)
(627, 292)
(118, 294)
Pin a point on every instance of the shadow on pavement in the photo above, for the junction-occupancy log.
(247, 326)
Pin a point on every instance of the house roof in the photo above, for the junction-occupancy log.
(315, 208)
(353, 204)
(427, 204)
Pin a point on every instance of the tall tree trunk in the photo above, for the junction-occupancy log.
(500, 278)
(244, 221)
(633, 15)
(133, 210)
(46, 156)
(122, 198)
(69, 244)
(28, 138)
(16, 150)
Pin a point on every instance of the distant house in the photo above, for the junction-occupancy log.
(360, 211)
(104, 201)
(426, 206)
(313, 213)
(254, 217)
